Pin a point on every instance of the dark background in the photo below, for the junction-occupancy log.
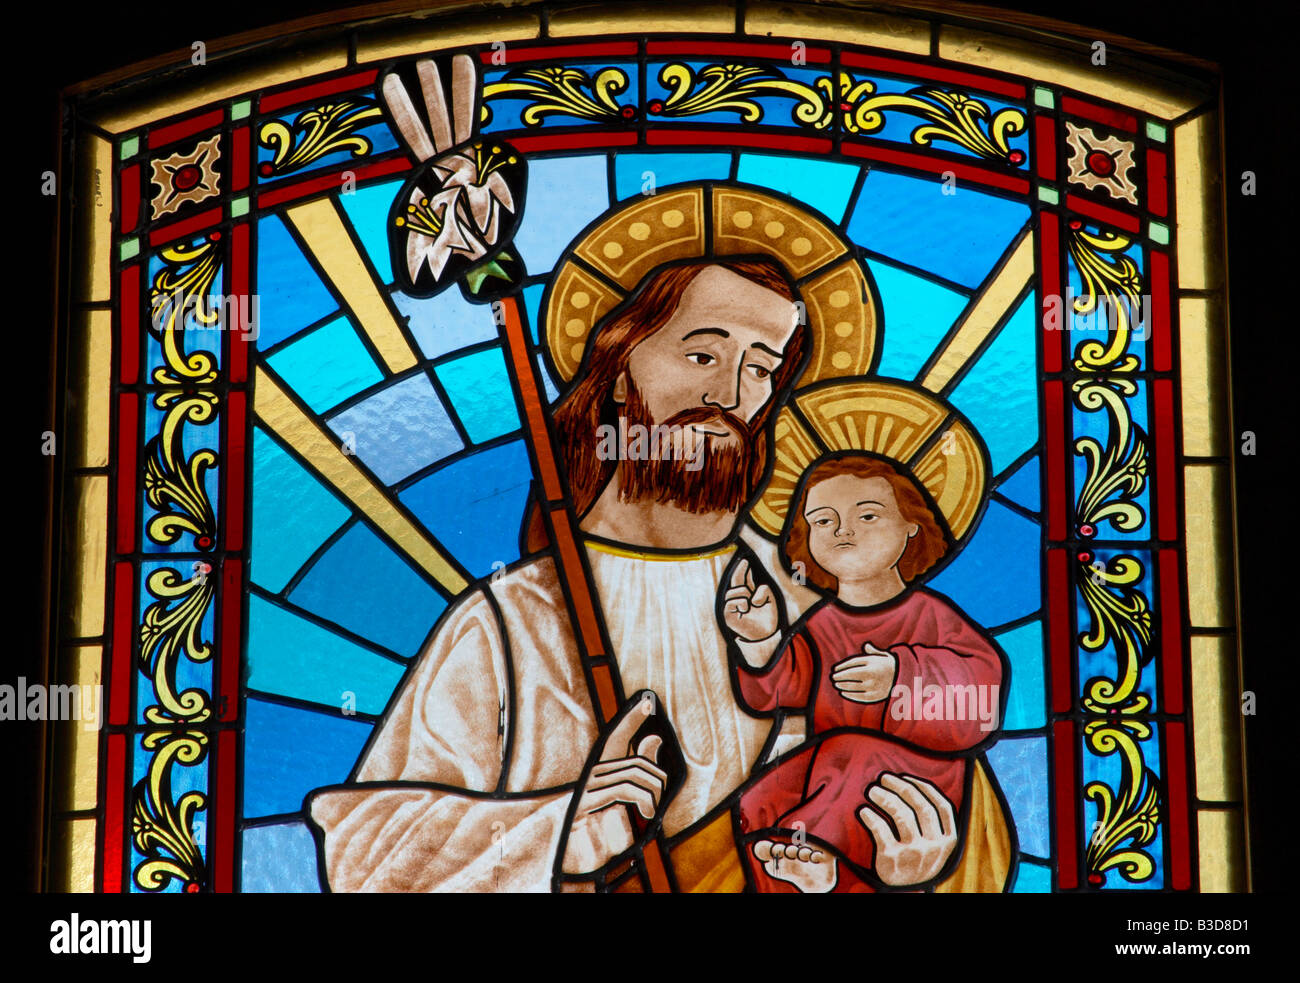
(51, 47)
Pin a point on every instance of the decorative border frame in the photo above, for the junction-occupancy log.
(1183, 624)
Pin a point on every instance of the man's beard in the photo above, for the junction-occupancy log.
(720, 482)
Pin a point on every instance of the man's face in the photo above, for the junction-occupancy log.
(717, 354)
(709, 371)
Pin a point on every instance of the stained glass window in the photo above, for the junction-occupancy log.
(707, 450)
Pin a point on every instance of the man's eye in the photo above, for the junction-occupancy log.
(868, 517)
(701, 358)
(759, 371)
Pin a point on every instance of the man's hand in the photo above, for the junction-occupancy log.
(621, 777)
(927, 829)
(866, 678)
(751, 613)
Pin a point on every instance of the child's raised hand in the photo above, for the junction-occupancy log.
(750, 612)
(866, 678)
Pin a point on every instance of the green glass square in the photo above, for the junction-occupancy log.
(1043, 97)
(1048, 194)
(129, 248)
(128, 148)
(1155, 131)
(239, 206)
(241, 109)
(1158, 232)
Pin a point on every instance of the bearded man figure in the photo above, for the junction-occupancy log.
(477, 778)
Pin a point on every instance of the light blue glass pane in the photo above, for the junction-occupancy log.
(279, 859)
(398, 430)
(665, 169)
(1023, 485)
(361, 584)
(479, 389)
(960, 237)
(995, 577)
(564, 195)
(327, 366)
(289, 751)
(918, 313)
(1025, 700)
(292, 515)
(367, 210)
(1032, 878)
(549, 386)
(1108, 770)
(1000, 393)
(1020, 765)
(291, 294)
(824, 184)
(533, 305)
(475, 506)
(446, 321)
(290, 656)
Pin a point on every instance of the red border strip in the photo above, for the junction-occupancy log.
(1102, 213)
(780, 52)
(1066, 789)
(1099, 114)
(1049, 273)
(1045, 146)
(1157, 182)
(1163, 411)
(222, 850)
(185, 128)
(1171, 633)
(565, 52)
(897, 66)
(191, 226)
(1161, 330)
(128, 436)
(1060, 647)
(935, 165)
(1054, 424)
(279, 194)
(128, 324)
(124, 620)
(237, 351)
(1180, 869)
(128, 182)
(114, 831)
(676, 137)
(306, 93)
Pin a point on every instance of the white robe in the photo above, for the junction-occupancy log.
(481, 750)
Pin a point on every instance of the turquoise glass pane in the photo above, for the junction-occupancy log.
(633, 171)
(475, 506)
(279, 859)
(326, 366)
(999, 394)
(398, 430)
(367, 211)
(361, 584)
(826, 185)
(289, 751)
(292, 515)
(290, 656)
(1026, 705)
(533, 306)
(479, 389)
(1032, 878)
(917, 314)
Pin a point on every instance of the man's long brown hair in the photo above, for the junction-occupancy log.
(589, 403)
(923, 550)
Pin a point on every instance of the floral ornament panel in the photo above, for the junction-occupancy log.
(186, 178)
(505, 557)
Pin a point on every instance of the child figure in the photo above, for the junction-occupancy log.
(896, 684)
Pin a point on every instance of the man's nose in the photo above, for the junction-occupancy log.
(723, 390)
(844, 529)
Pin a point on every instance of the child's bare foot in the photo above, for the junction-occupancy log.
(811, 870)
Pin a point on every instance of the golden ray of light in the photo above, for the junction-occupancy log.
(322, 451)
(993, 304)
(321, 227)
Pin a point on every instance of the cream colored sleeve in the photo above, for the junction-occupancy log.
(436, 823)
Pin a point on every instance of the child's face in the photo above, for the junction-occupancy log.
(855, 530)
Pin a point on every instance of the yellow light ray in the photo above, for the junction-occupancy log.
(322, 229)
(320, 449)
(993, 304)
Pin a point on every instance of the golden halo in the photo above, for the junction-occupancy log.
(678, 224)
(896, 420)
